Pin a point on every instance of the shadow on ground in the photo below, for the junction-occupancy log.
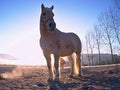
(62, 85)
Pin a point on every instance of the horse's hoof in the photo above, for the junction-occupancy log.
(1, 77)
(79, 75)
(56, 80)
(50, 80)
(71, 76)
(74, 75)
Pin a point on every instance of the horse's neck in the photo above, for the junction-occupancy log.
(43, 29)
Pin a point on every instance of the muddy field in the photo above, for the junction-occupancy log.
(35, 78)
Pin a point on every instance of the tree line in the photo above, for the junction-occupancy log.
(105, 35)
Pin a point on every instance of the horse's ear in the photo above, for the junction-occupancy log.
(42, 7)
(52, 7)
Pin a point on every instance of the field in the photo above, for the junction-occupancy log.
(35, 78)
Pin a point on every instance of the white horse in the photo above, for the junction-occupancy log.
(59, 44)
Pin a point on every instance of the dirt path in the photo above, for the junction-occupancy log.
(35, 78)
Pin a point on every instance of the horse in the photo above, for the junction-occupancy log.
(59, 44)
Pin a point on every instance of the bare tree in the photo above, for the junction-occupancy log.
(104, 23)
(90, 46)
(87, 48)
(106, 33)
(117, 3)
(115, 23)
(97, 38)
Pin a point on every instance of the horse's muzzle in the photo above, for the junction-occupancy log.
(52, 26)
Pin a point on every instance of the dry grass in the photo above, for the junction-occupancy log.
(35, 78)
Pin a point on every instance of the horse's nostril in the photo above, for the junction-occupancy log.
(52, 25)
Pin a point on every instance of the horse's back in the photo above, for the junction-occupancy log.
(73, 39)
(76, 41)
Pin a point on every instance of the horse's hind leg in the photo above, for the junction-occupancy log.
(79, 63)
(75, 65)
(72, 65)
(50, 67)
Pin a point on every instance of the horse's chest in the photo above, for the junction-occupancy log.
(49, 45)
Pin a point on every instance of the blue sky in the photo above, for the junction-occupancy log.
(19, 24)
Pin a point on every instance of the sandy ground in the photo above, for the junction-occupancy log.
(35, 78)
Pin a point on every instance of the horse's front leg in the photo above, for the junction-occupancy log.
(57, 68)
(50, 67)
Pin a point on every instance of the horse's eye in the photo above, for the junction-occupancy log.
(44, 13)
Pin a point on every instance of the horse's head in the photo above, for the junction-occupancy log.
(47, 17)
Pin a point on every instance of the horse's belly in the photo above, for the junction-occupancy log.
(66, 52)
